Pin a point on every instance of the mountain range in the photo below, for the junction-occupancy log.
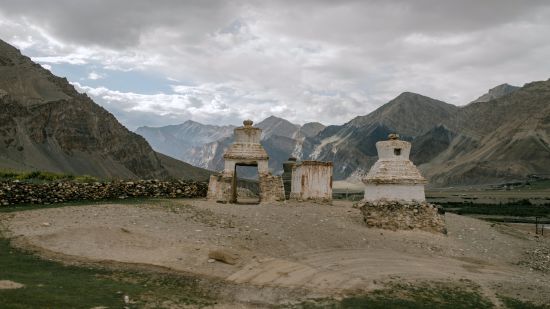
(280, 138)
(45, 124)
(501, 136)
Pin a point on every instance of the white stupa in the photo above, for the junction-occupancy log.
(394, 177)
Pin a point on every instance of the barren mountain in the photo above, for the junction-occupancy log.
(496, 92)
(504, 139)
(352, 146)
(177, 140)
(45, 124)
(280, 138)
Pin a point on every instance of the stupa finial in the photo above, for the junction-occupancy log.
(393, 136)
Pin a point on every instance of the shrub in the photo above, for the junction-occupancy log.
(85, 179)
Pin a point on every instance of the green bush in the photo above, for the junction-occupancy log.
(85, 179)
(43, 175)
(8, 174)
(35, 175)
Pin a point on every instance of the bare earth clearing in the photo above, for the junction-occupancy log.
(323, 251)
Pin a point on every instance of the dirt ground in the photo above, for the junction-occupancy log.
(8, 285)
(326, 250)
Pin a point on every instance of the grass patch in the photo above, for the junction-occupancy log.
(520, 209)
(518, 304)
(433, 295)
(52, 285)
(44, 176)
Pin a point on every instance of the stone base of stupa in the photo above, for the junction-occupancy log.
(401, 215)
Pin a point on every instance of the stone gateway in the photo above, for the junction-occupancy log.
(245, 151)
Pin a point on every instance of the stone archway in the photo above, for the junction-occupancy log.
(246, 150)
(235, 182)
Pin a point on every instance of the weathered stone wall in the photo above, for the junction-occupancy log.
(271, 188)
(220, 188)
(13, 192)
(246, 151)
(396, 215)
(312, 180)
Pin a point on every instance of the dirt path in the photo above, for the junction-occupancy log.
(325, 249)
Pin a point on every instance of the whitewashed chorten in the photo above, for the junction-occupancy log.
(394, 177)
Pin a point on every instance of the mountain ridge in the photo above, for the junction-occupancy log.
(45, 124)
(445, 137)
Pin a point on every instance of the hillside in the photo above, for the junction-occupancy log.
(352, 146)
(496, 92)
(45, 124)
(505, 139)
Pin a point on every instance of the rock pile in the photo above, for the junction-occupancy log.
(15, 192)
(399, 215)
(537, 259)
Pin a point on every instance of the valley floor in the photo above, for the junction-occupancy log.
(288, 252)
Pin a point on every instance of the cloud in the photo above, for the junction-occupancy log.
(95, 76)
(305, 60)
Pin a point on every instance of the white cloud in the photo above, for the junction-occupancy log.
(95, 76)
(305, 60)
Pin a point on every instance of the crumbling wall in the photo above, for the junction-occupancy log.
(222, 188)
(219, 188)
(312, 180)
(246, 151)
(400, 215)
(271, 188)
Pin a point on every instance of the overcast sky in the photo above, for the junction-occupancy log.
(218, 62)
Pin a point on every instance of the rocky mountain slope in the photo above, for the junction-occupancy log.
(177, 140)
(280, 137)
(352, 146)
(496, 92)
(503, 139)
(45, 124)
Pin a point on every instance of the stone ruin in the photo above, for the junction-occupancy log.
(312, 180)
(394, 192)
(245, 151)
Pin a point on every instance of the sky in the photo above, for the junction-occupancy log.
(157, 63)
